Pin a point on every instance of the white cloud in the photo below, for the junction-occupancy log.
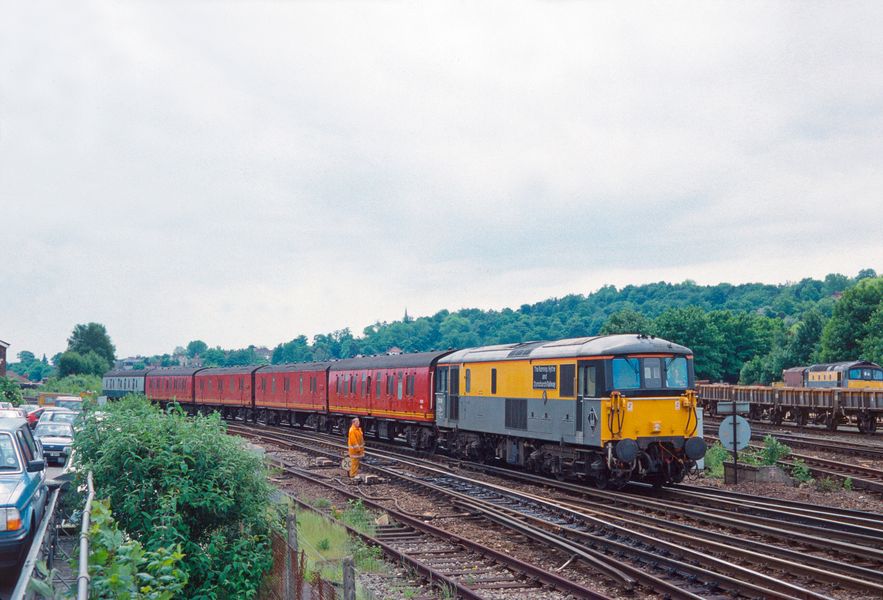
(245, 172)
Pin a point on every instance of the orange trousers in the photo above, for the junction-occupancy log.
(354, 465)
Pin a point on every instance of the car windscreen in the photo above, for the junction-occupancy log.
(8, 455)
(63, 417)
(54, 429)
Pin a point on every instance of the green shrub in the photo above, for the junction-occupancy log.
(177, 481)
(801, 472)
(827, 484)
(848, 484)
(715, 457)
(10, 391)
(773, 451)
(358, 517)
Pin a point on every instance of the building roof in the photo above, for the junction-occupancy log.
(4, 344)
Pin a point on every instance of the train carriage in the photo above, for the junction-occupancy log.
(391, 393)
(608, 407)
(292, 393)
(228, 390)
(171, 384)
(118, 383)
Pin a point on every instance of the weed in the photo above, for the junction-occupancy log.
(358, 517)
(827, 485)
(322, 503)
(773, 451)
(714, 460)
(365, 557)
(847, 484)
(410, 592)
(323, 544)
(801, 472)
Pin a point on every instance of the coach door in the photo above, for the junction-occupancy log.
(441, 393)
(586, 389)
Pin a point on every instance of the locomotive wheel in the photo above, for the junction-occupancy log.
(831, 421)
(776, 416)
(867, 423)
(801, 417)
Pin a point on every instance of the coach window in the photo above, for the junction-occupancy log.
(399, 389)
(364, 375)
(378, 384)
(220, 386)
(390, 384)
(493, 381)
(300, 385)
(468, 380)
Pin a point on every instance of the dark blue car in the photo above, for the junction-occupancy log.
(23, 491)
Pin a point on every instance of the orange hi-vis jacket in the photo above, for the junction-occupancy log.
(356, 442)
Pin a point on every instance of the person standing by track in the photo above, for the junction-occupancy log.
(356, 446)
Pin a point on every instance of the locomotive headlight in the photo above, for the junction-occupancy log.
(695, 447)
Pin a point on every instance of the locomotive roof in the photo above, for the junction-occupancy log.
(241, 370)
(389, 361)
(295, 367)
(842, 366)
(795, 370)
(127, 373)
(600, 345)
(173, 371)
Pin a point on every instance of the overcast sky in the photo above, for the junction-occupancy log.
(247, 172)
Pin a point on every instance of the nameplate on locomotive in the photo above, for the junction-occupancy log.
(545, 377)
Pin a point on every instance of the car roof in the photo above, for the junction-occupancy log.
(11, 424)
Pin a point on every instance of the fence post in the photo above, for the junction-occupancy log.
(349, 579)
(290, 550)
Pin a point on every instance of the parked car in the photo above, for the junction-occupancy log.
(23, 491)
(57, 439)
(34, 413)
(58, 416)
(6, 405)
(10, 413)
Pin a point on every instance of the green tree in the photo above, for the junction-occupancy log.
(74, 363)
(872, 344)
(92, 337)
(845, 331)
(10, 391)
(196, 348)
(805, 347)
(690, 326)
(627, 320)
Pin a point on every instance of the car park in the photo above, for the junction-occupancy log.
(57, 439)
(23, 491)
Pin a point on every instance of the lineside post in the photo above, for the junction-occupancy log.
(735, 449)
(349, 579)
(290, 550)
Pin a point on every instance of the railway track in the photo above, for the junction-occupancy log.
(686, 559)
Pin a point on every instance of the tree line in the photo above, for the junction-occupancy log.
(743, 333)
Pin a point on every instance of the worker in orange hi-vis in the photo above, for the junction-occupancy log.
(356, 445)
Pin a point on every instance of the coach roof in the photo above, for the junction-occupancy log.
(239, 370)
(127, 373)
(600, 345)
(172, 371)
(295, 367)
(389, 361)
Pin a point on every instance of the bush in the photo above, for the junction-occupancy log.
(10, 391)
(801, 472)
(773, 451)
(74, 385)
(180, 481)
(714, 460)
(847, 484)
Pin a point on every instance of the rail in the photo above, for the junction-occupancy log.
(83, 576)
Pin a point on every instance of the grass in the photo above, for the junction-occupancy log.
(714, 460)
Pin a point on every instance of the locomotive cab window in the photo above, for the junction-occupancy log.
(626, 373)
(652, 373)
(676, 373)
(493, 381)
